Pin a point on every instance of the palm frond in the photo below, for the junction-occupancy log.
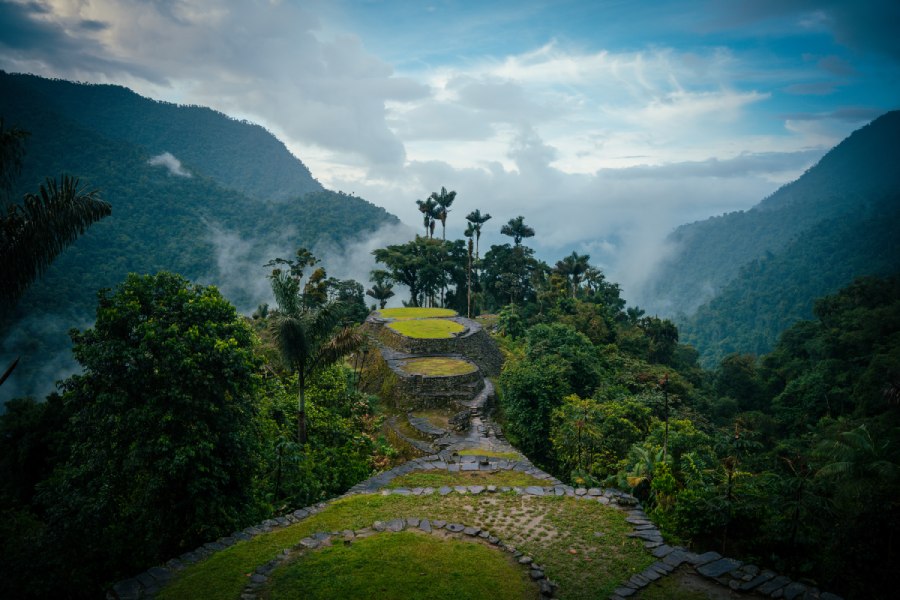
(33, 234)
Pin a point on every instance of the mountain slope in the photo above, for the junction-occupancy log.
(236, 154)
(852, 178)
(738, 280)
(194, 225)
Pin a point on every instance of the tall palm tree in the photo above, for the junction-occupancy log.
(443, 200)
(309, 335)
(476, 219)
(573, 268)
(517, 230)
(469, 232)
(429, 210)
(381, 292)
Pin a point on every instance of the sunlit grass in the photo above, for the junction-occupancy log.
(415, 313)
(437, 367)
(490, 453)
(546, 528)
(427, 328)
(406, 565)
(437, 479)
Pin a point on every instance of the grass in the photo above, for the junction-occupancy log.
(435, 416)
(427, 328)
(490, 453)
(415, 313)
(440, 478)
(437, 367)
(405, 565)
(546, 528)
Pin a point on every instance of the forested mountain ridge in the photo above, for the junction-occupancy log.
(738, 280)
(236, 154)
(192, 224)
(856, 177)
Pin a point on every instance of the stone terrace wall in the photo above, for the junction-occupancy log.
(474, 343)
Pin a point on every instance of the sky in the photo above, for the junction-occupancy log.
(605, 123)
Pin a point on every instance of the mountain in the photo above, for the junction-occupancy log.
(736, 281)
(192, 191)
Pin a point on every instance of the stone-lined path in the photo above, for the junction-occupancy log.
(729, 573)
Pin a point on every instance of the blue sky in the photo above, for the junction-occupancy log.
(605, 123)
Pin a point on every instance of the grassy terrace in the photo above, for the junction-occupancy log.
(582, 545)
(427, 328)
(437, 367)
(415, 313)
(421, 566)
(437, 479)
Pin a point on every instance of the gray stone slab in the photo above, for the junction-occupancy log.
(756, 581)
(444, 490)
(625, 592)
(471, 531)
(455, 527)
(675, 558)
(794, 590)
(702, 559)
(469, 467)
(534, 490)
(425, 525)
(771, 586)
(438, 524)
(662, 551)
(717, 568)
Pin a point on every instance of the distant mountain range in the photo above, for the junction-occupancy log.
(192, 191)
(737, 281)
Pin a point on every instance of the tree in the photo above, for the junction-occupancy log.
(163, 447)
(308, 333)
(429, 210)
(34, 233)
(443, 200)
(382, 289)
(573, 268)
(476, 219)
(517, 230)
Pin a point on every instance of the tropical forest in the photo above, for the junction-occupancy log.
(198, 404)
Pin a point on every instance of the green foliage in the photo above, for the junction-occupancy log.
(246, 191)
(162, 449)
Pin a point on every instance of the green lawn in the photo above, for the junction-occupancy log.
(437, 479)
(437, 367)
(490, 453)
(427, 328)
(415, 313)
(547, 528)
(404, 566)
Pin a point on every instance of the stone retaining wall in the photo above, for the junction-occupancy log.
(474, 343)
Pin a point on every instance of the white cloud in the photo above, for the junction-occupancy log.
(167, 160)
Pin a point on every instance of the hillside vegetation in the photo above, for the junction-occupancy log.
(246, 199)
(737, 280)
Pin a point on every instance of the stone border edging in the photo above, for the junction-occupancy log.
(320, 539)
(728, 572)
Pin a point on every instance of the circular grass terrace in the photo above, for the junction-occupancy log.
(403, 566)
(414, 312)
(433, 366)
(427, 328)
